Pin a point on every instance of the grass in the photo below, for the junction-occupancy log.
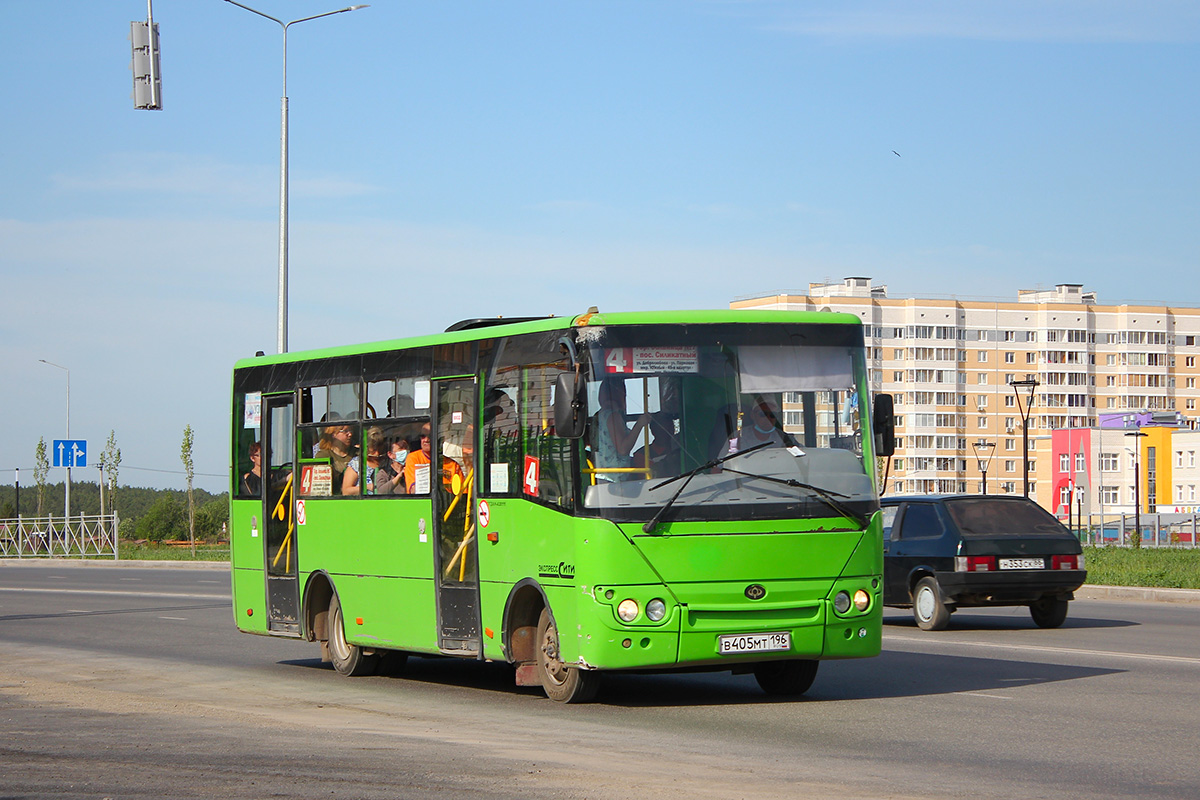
(173, 551)
(1171, 568)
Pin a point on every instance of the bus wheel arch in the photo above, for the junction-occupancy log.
(521, 614)
(317, 594)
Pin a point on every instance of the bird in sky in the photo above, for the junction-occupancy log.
(897, 154)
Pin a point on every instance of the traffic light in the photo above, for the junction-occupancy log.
(147, 77)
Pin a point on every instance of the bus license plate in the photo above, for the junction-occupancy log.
(1022, 563)
(754, 643)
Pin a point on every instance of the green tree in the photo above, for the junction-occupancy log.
(211, 518)
(41, 468)
(185, 455)
(164, 520)
(110, 456)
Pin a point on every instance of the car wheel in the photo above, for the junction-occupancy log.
(929, 611)
(786, 678)
(348, 659)
(1049, 612)
(562, 683)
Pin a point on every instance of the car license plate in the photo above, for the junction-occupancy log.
(1022, 563)
(754, 643)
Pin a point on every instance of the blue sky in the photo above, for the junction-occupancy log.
(464, 159)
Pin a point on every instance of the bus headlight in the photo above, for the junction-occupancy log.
(628, 610)
(861, 600)
(655, 610)
(841, 602)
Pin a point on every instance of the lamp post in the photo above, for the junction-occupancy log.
(281, 328)
(983, 458)
(1137, 472)
(1031, 384)
(67, 503)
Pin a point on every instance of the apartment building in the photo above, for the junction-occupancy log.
(951, 365)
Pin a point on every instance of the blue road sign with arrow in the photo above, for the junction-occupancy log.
(70, 452)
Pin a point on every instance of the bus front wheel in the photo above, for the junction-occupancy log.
(786, 678)
(562, 683)
(348, 659)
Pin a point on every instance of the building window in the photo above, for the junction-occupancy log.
(1109, 462)
(983, 423)
(982, 356)
(1064, 462)
(1109, 495)
(1010, 465)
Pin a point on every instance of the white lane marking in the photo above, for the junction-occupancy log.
(1072, 651)
(112, 593)
(983, 694)
(176, 619)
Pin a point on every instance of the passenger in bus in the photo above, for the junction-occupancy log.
(252, 480)
(665, 450)
(417, 466)
(337, 444)
(377, 477)
(761, 425)
(613, 437)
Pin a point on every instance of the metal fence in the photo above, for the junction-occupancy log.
(1158, 530)
(59, 537)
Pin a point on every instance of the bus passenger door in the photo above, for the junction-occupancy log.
(279, 511)
(456, 560)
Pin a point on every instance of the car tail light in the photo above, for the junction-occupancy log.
(1066, 562)
(974, 563)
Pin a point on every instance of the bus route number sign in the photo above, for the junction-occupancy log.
(669, 360)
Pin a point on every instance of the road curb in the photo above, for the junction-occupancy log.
(1187, 596)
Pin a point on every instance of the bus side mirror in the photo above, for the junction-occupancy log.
(885, 425)
(570, 406)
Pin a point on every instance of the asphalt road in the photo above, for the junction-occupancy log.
(127, 682)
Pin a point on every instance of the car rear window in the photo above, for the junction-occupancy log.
(993, 516)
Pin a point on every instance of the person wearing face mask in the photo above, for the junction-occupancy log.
(760, 425)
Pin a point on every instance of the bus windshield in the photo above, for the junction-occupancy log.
(752, 421)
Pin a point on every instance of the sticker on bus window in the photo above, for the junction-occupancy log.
(532, 475)
(421, 479)
(253, 418)
(421, 395)
(316, 480)
(669, 360)
(499, 475)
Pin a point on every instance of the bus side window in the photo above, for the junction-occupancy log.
(501, 441)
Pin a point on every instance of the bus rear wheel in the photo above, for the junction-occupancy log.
(348, 659)
(786, 678)
(562, 684)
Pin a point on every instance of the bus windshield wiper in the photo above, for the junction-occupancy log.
(686, 477)
(827, 495)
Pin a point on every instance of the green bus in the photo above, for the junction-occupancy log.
(573, 496)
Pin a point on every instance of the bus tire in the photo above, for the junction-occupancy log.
(348, 659)
(1049, 612)
(786, 678)
(561, 683)
(930, 613)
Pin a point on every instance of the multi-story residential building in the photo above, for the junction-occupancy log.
(951, 364)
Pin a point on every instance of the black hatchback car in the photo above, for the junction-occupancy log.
(941, 553)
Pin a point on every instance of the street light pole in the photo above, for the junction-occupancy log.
(1031, 384)
(983, 459)
(1137, 491)
(282, 308)
(67, 502)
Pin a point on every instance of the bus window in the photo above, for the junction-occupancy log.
(546, 470)
(501, 441)
(249, 448)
